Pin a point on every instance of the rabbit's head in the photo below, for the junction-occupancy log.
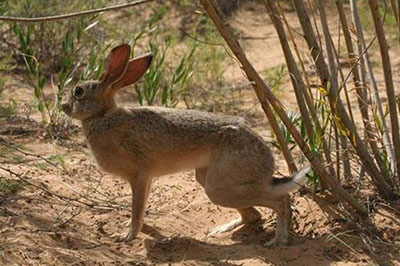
(94, 98)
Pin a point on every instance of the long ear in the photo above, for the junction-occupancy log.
(134, 71)
(117, 61)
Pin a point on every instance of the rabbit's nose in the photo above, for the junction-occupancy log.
(66, 108)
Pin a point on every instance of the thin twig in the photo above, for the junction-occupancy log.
(333, 70)
(344, 243)
(306, 91)
(70, 218)
(29, 154)
(387, 71)
(338, 110)
(366, 66)
(61, 197)
(264, 93)
(72, 15)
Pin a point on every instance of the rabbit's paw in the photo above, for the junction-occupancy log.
(127, 237)
(226, 227)
(279, 241)
(127, 223)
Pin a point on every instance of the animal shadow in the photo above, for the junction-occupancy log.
(248, 245)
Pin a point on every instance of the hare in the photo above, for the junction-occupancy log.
(232, 163)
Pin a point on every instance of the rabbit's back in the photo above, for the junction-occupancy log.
(164, 140)
(180, 123)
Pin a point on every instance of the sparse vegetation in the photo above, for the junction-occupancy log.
(55, 63)
(9, 109)
(9, 186)
(327, 114)
(163, 85)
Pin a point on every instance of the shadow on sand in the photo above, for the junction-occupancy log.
(248, 244)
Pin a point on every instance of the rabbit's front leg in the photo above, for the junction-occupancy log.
(140, 186)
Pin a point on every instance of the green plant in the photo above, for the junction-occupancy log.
(170, 84)
(179, 83)
(34, 73)
(46, 39)
(384, 9)
(6, 67)
(209, 88)
(162, 84)
(65, 59)
(154, 79)
(51, 51)
(2, 84)
(95, 62)
(8, 110)
(57, 159)
(276, 76)
(10, 186)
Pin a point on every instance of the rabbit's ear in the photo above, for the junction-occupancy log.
(134, 71)
(116, 64)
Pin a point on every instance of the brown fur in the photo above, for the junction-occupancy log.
(233, 164)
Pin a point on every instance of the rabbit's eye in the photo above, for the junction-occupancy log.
(78, 92)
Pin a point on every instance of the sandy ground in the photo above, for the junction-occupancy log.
(68, 209)
(66, 214)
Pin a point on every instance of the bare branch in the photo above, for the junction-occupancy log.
(264, 92)
(72, 15)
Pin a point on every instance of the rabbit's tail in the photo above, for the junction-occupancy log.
(292, 183)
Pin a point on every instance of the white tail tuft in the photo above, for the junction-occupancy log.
(293, 183)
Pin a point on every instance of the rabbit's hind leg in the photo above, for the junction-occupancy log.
(247, 215)
(283, 220)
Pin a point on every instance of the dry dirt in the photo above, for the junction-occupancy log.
(66, 215)
(68, 209)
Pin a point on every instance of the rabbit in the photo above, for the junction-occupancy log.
(232, 163)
